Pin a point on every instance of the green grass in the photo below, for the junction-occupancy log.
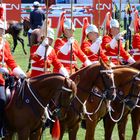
(22, 60)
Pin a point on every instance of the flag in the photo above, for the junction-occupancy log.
(56, 130)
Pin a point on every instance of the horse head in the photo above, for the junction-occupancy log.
(107, 83)
(127, 81)
(26, 26)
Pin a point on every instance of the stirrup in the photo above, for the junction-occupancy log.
(2, 132)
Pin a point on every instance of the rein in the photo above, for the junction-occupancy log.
(96, 94)
(124, 100)
(44, 107)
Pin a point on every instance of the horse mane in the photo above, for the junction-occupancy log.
(84, 70)
(40, 77)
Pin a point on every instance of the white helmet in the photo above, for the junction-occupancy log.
(36, 4)
(3, 25)
(50, 33)
(67, 24)
(91, 28)
(114, 23)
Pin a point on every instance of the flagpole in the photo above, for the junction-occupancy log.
(3, 42)
(71, 43)
(45, 53)
(119, 31)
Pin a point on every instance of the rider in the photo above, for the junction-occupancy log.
(112, 42)
(7, 62)
(37, 16)
(91, 47)
(135, 26)
(65, 54)
(41, 65)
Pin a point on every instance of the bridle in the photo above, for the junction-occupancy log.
(37, 99)
(126, 100)
(103, 97)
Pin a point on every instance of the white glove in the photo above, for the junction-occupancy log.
(71, 40)
(65, 49)
(131, 60)
(64, 71)
(120, 35)
(4, 70)
(99, 40)
(96, 45)
(19, 72)
(112, 64)
(87, 62)
(45, 42)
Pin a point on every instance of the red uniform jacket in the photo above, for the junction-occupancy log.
(65, 59)
(8, 59)
(38, 64)
(136, 46)
(113, 53)
(93, 56)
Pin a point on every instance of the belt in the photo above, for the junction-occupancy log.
(67, 61)
(40, 69)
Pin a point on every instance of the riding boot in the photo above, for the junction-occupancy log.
(2, 128)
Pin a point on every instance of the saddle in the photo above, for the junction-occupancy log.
(11, 84)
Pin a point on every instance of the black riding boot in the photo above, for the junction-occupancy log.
(2, 128)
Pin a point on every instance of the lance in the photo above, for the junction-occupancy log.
(71, 43)
(46, 47)
(99, 13)
(119, 30)
(129, 31)
(3, 42)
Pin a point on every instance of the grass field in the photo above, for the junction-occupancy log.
(22, 60)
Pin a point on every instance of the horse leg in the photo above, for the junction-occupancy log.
(135, 117)
(108, 126)
(24, 134)
(122, 127)
(62, 131)
(8, 137)
(73, 132)
(15, 44)
(36, 135)
(22, 42)
(90, 129)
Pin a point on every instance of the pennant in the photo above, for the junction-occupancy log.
(60, 26)
(56, 130)
(106, 23)
(85, 24)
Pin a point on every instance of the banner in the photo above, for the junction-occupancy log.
(100, 10)
(13, 9)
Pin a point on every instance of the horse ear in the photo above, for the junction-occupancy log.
(103, 64)
(77, 79)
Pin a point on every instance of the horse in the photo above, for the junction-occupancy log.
(127, 96)
(14, 29)
(135, 115)
(26, 26)
(24, 113)
(93, 75)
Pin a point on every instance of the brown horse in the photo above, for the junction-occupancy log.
(24, 114)
(14, 29)
(135, 116)
(128, 94)
(89, 77)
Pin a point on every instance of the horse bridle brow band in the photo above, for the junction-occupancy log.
(66, 89)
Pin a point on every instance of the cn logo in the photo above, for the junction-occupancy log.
(12, 6)
(103, 6)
